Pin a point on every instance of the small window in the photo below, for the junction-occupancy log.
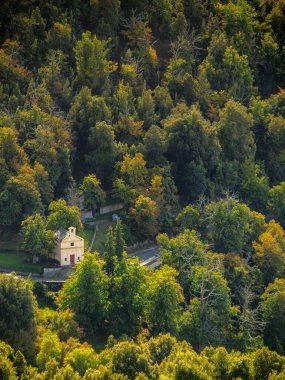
(72, 244)
(65, 259)
(78, 257)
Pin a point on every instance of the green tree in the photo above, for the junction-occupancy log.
(269, 253)
(189, 217)
(103, 149)
(63, 216)
(57, 78)
(237, 74)
(36, 238)
(20, 363)
(228, 365)
(92, 64)
(272, 305)
(276, 202)
(184, 363)
(120, 244)
(115, 246)
(143, 217)
(61, 37)
(268, 57)
(274, 147)
(12, 155)
(185, 251)
(163, 102)
(81, 358)
(235, 132)
(94, 195)
(123, 101)
(237, 141)
(179, 22)
(107, 13)
(230, 225)
(49, 144)
(86, 293)
(7, 370)
(137, 32)
(254, 185)
(178, 79)
(61, 322)
(129, 130)
(134, 169)
(242, 279)
(163, 298)
(155, 145)
(208, 320)
(127, 297)
(239, 23)
(276, 104)
(191, 141)
(146, 108)
(20, 196)
(265, 362)
(123, 192)
(110, 251)
(18, 313)
(67, 372)
(44, 184)
(85, 111)
(130, 360)
(13, 75)
(44, 297)
(50, 350)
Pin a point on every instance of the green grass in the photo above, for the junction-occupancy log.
(87, 236)
(101, 236)
(13, 257)
(18, 261)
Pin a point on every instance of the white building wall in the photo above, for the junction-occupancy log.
(71, 245)
(111, 208)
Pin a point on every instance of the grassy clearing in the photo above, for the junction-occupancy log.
(87, 236)
(101, 235)
(13, 257)
(18, 261)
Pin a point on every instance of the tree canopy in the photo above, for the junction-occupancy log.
(172, 113)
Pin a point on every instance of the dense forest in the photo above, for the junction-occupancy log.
(176, 110)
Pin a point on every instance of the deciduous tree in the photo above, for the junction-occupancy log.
(127, 297)
(276, 202)
(36, 238)
(94, 195)
(143, 217)
(18, 313)
(63, 216)
(230, 226)
(273, 307)
(155, 145)
(103, 149)
(92, 64)
(269, 253)
(86, 293)
(209, 318)
(134, 168)
(163, 295)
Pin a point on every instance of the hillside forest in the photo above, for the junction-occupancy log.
(176, 110)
